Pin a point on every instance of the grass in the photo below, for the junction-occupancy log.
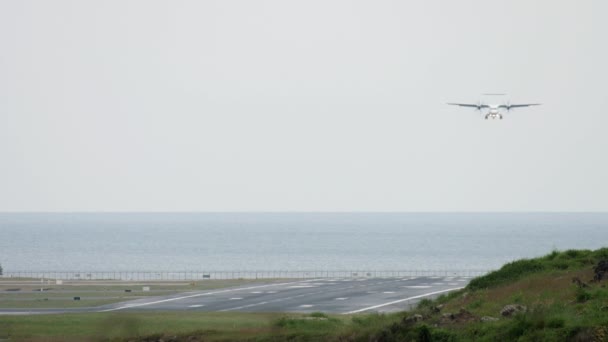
(96, 326)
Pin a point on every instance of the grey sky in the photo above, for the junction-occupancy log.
(301, 105)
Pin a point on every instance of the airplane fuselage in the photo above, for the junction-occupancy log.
(493, 112)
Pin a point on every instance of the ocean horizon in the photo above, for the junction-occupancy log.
(295, 241)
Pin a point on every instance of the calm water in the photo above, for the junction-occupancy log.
(289, 241)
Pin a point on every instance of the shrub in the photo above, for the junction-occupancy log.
(425, 303)
(374, 319)
(519, 326)
(318, 315)
(570, 259)
(582, 295)
(509, 272)
(424, 334)
(556, 323)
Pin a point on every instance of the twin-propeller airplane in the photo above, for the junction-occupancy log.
(494, 110)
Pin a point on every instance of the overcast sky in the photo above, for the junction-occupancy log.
(301, 105)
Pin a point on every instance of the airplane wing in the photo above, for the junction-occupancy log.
(511, 106)
(472, 105)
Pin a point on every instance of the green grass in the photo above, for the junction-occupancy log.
(555, 261)
(95, 326)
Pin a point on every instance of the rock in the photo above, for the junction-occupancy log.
(512, 309)
(600, 270)
(579, 283)
(461, 317)
(448, 315)
(436, 309)
(414, 318)
(488, 319)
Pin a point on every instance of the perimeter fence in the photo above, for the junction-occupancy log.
(203, 275)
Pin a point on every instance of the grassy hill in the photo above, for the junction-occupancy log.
(549, 305)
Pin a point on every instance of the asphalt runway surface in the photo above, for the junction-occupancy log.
(336, 296)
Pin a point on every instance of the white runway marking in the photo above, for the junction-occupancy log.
(306, 306)
(417, 287)
(271, 291)
(301, 286)
(342, 298)
(388, 292)
(401, 300)
(244, 306)
(235, 298)
(195, 306)
(453, 284)
(438, 284)
(256, 292)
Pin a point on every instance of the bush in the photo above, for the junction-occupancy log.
(424, 334)
(425, 303)
(509, 272)
(570, 259)
(582, 295)
(556, 323)
(318, 315)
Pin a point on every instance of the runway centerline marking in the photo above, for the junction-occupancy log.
(401, 300)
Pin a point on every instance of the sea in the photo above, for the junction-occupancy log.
(288, 241)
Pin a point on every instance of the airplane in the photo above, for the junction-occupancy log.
(494, 109)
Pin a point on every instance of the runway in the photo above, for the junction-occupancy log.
(340, 296)
(336, 296)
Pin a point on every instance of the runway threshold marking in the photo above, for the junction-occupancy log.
(401, 300)
(134, 305)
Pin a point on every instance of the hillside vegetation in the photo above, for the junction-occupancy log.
(558, 297)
